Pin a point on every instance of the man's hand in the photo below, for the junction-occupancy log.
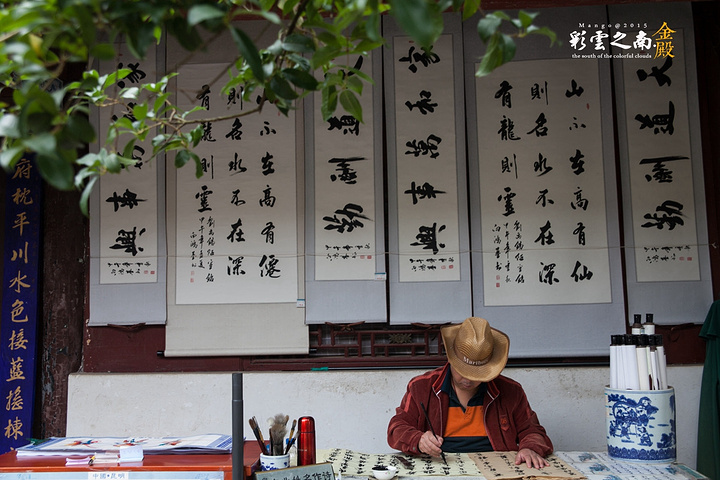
(529, 457)
(430, 444)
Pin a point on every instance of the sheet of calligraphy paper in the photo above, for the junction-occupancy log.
(349, 462)
(542, 194)
(501, 465)
(427, 191)
(236, 231)
(600, 466)
(344, 164)
(128, 205)
(660, 166)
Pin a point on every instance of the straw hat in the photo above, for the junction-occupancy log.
(475, 350)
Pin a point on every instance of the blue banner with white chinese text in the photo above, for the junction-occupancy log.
(19, 324)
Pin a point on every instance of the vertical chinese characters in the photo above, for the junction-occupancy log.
(544, 227)
(344, 188)
(425, 136)
(236, 224)
(128, 201)
(19, 302)
(660, 162)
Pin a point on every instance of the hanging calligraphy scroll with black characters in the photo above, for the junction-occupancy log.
(232, 233)
(427, 192)
(345, 226)
(128, 202)
(344, 214)
(127, 221)
(659, 153)
(664, 224)
(425, 161)
(668, 271)
(236, 235)
(542, 194)
(545, 225)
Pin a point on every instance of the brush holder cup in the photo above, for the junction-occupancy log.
(274, 462)
(641, 425)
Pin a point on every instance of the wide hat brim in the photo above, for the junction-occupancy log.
(478, 373)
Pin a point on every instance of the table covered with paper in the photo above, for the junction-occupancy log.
(501, 466)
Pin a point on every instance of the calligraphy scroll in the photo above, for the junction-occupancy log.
(345, 268)
(661, 159)
(129, 200)
(22, 248)
(344, 188)
(236, 225)
(127, 216)
(428, 237)
(255, 315)
(534, 327)
(660, 162)
(429, 244)
(542, 193)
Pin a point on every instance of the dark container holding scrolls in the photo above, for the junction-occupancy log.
(306, 441)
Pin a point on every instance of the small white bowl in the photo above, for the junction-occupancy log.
(382, 472)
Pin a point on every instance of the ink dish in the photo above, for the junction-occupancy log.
(382, 472)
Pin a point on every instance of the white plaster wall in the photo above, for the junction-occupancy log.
(351, 407)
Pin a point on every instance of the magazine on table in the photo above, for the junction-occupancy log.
(58, 446)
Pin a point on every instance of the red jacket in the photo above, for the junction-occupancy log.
(509, 421)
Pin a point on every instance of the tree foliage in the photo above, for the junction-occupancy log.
(40, 39)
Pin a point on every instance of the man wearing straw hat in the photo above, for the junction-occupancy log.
(470, 407)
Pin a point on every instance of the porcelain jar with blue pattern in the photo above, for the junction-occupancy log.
(641, 425)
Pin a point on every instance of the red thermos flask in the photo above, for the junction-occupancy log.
(306, 441)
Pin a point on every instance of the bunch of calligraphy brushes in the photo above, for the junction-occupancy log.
(277, 429)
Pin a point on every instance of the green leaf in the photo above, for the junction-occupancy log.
(329, 102)
(103, 51)
(543, 31)
(325, 55)
(55, 171)
(270, 17)
(351, 104)
(526, 18)
(43, 144)
(500, 50)
(301, 79)
(130, 92)
(140, 38)
(113, 163)
(188, 37)
(249, 52)
(420, 19)
(181, 158)
(10, 156)
(282, 88)
(355, 84)
(469, 8)
(140, 111)
(88, 160)
(200, 13)
(372, 27)
(80, 129)
(487, 26)
(298, 43)
(85, 197)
